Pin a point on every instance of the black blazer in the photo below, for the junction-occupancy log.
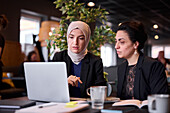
(91, 70)
(150, 78)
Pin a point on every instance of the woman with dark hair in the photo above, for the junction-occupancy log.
(162, 58)
(139, 76)
(84, 69)
(3, 25)
(32, 57)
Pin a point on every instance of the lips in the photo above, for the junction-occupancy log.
(118, 52)
(74, 47)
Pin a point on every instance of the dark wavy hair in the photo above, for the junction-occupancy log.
(30, 54)
(136, 32)
(3, 21)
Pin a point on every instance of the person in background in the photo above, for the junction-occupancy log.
(138, 76)
(162, 58)
(84, 69)
(3, 25)
(39, 48)
(31, 57)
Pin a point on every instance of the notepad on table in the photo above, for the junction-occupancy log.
(53, 108)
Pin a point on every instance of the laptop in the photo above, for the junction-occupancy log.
(47, 81)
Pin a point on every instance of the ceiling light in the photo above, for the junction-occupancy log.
(91, 4)
(155, 26)
(156, 37)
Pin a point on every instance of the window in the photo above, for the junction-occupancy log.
(167, 52)
(108, 55)
(157, 48)
(29, 26)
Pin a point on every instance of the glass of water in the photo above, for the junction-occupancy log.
(98, 95)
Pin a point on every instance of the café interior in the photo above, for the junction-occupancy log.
(28, 19)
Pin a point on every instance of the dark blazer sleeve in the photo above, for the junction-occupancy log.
(99, 73)
(91, 73)
(151, 80)
(158, 81)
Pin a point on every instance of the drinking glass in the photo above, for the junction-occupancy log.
(98, 95)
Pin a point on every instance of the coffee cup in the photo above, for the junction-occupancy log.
(97, 95)
(159, 103)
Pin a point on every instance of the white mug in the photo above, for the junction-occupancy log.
(159, 103)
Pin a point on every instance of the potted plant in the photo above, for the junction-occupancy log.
(74, 11)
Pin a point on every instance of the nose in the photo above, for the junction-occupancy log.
(116, 45)
(75, 41)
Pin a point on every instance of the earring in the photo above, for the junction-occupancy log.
(135, 51)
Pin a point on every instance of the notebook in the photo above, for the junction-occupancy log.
(16, 103)
(54, 108)
(47, 81)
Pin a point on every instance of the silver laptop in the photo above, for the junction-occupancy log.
(47, 81)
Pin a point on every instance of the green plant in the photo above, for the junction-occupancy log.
(105, 74)
(74, 11)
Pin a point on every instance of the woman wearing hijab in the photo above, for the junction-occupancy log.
(83, 68)
(139, 76)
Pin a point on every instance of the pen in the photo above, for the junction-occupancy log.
(48, 105)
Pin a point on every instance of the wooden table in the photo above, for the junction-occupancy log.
(128, 109)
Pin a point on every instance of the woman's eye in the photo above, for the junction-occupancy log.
(122, 42)
(81, 38)
(71, 37)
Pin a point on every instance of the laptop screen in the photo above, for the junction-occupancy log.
(47, 81)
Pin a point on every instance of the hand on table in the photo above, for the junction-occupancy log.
(73, 80)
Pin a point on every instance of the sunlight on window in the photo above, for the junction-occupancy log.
(108, 55)
(28, 27)
(155, 51)
(157, 48)
(167, 52)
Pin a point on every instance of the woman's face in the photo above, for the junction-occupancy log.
(124, 46)
(34, 58)
(76, 41)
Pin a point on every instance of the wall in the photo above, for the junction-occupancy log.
(12, 9)
(12, 55)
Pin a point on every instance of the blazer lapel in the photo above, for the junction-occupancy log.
(121, 76)
(68, 61)
(84, 72)
(138, 77)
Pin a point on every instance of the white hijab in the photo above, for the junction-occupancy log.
(76, 58)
